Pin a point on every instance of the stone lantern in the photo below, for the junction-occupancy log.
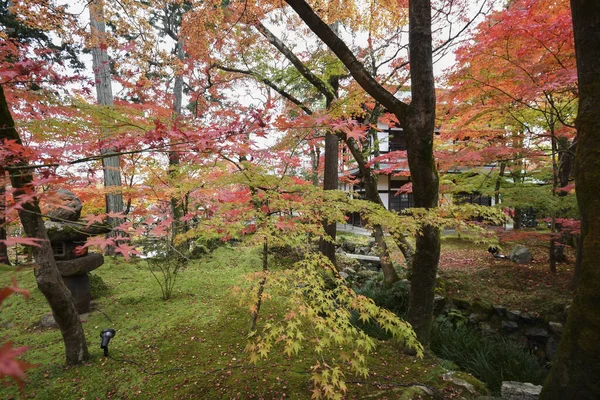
(66, 233)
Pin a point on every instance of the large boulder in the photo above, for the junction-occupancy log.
(68, 207)
(520, 254)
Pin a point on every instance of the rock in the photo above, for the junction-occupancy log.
(513, 315)
(509, 326)
(373, 253)
(551, 348)
(363, 250)
(530, 319)
(520, 254)
(339, 250)
(69, 209)
(486, 328)
(537, 333)
(556, 328)
(474, 318)
(344, 275)
(349, 247)
(520, 391)
(349, 270)
(484, 309)
(460, 379)
(81, 265)
(499, 310)
(461, 304)
(439, 302)
(47, 321)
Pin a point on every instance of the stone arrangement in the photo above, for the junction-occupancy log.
(533, 332)
(66, 234)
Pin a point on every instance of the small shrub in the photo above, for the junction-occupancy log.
(97, 287)
(165, 270)
(490, 359)
(453, 319)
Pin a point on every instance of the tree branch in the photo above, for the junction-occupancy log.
(356, 68)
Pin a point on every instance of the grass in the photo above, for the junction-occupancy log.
(190, 346)
(492, 360)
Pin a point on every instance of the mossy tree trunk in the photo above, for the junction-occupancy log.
(576, 368)
(47, 275)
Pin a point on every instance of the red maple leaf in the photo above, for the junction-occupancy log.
(10, 366)
(126, 250)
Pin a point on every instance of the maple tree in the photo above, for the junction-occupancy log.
(514, 86)
(196, 174)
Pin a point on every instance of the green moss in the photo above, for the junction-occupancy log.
(479, 386)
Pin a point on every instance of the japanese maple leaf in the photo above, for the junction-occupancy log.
(10, 367)
(10, 241)
(92, 219)
(7, 291)
(126, 250)
(354, 132)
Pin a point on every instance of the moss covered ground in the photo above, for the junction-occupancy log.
(470, 272)
(189, 347)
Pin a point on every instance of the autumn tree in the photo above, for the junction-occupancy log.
(577, 364)
(520, 70)
(48, 277)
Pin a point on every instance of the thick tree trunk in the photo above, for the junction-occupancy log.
(330, 176)
(419, 124)
(104, 95)
(47, 276)
(576, 368)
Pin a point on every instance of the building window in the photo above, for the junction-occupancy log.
(400, 201)
(397, 140)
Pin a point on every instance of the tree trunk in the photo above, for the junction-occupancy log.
(3, 248)
(178, 225)
(330, 182)
(330, 177)
(47, 276)
(419, 125)
(576, 368)
(102, 75)
(390, 276)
